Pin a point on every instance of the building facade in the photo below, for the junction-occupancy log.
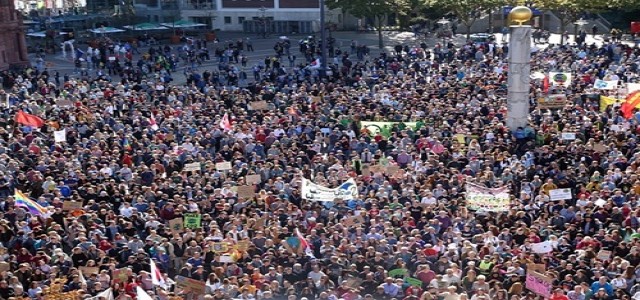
(13, 48)
(272, 16)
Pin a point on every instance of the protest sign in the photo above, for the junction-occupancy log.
(539, 284)
(4, 266)
(71, 205)
(560, 194)
(552, 102)
(413, 282)
(192, 167)
(88, 271)
(121, 275)
(242, 246)
(315, 192)
(542, 247)
(260, 105)
(223, 166)
(192, 221)
(220, 247)
(482, 199)
(64, 103)
(60, 136)
(568, 136)
(192, 285)
(176, 225)
(604, 255)
(253, 179)
(246, 191)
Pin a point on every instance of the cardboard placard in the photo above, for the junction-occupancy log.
(366, 171)
(220, 247)
(192, 285)
(223, 166)
(604, 255)
(539, 284)
(64, 103)
(242, 245)
(192, 167)
(71, 205)
(260, 223)
(557, 101)
(87, 271)
(192, 221)
(246, 191)
(398, 273)
(121, 275)
(391, 170)
(176, 225)
(599, 147)
(253, 179)
(260, 105)
(4, 266)
(540, 268)
(354, 282)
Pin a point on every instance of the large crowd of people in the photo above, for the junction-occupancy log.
(113, 168)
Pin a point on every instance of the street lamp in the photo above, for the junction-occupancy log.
(323, 39)
(443, 22)
(263, 20)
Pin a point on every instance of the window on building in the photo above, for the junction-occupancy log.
(241, 20)
(227, 20)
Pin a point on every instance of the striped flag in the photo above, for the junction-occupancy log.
(152, 123)
(304, 243)
(225, 123)
(33, 207)
(156, 276)
(632, 102)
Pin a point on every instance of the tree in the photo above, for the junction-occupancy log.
(376, 10)
(569, 11)
(467, 11)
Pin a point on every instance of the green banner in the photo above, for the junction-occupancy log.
(414, 282)
(398, 273)
(192, 221)
(385, 128)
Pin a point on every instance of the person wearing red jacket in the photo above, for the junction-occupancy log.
(558, 294)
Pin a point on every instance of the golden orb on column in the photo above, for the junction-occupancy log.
(520, 14)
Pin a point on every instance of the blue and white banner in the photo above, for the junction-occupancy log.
(315, 192)
(605, 84)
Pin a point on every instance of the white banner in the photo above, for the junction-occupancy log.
(605, 84)
(543, 247)
(482, 199)
(632, 87)
(315, 192)
(560, 194)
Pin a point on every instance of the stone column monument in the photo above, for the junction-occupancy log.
(519, 68)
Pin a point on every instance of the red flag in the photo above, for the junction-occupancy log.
(632, 101)
(545, 84)
(225, 123)
(29, 120)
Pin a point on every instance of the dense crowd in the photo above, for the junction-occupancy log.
(407, 235)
